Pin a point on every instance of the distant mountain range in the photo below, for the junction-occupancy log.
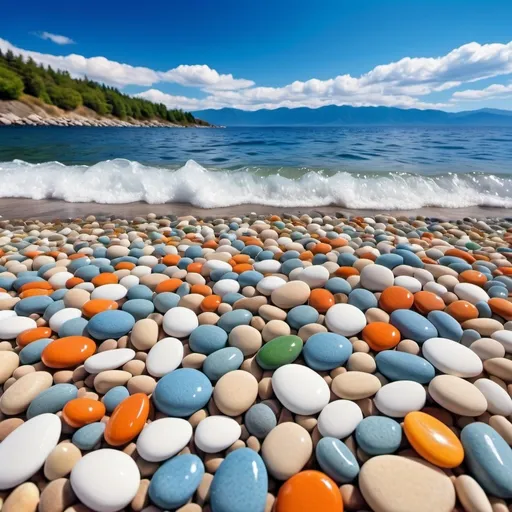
(346, 115)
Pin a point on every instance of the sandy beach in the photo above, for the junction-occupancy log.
(48, 209)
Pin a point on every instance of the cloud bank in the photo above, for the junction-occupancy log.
(405, 83)
(56, 38)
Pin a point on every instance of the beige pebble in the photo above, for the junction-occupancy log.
(376, 315)
(203, 491)
(286, 449)
(498, 505)
(487, 348)
(250, 365)
(352, 498)
(503, 426)
(361, 346)
(258, 323)
(306, 331)
(57, 496)
(23, 370)
(76, 298)
(361, 362)
(19, 395)
(135, 367)
(484, 326)
(9, 361)
(275, 328)
(212, 461)
(208, 318)
(291, 294)
(104, 381)
(9, 425)
(193, 360)
(252, 304)
(107, 345)
(499, 367)
(141, 499)
(471, 495)
(61, 460)
(307, 422)
(190, 507)
(235, 392)
(246, 338)
(24, 498)
(457, 395)
(153, 280)
(409, 346)
(254, 444)
(269, 504)
(63, 377)
(265, 390)
(197, 417)
(270, 312)
(390, 483)
(144, 333)
(355, 385)
(141, 384)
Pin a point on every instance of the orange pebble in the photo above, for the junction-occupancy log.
(347, 272)
(368, 256)
(68, 352)
(306, 256)
(32, 254)
(433, 440)
(321, 299)
(460, 254)
(169, 285)
(73, 281)
(76, 256)
(309, 491)
(501, 307)
(195, 267)
(34, 293)
(396, 297)
(127, 420)
(104, 278)
(95, 306)
(36, 285)
(425, 302)
(462, 310)
(338, 242)
(241, 258)
(30, 335)
(321, 248)
(242, 267)
(210, 244)
(381, 336)
(125, 265)
(473, 277)
(506, 271)
(82, 411)
(211, 303)
(170, 260)
(201, 289)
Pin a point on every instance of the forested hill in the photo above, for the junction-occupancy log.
(55, 87)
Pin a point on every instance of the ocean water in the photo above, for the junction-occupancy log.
(352, 167)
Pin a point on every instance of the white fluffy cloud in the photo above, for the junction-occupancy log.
(56, 38)
(404, 83)
(493, 91)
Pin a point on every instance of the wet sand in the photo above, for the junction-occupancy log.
(48, 209)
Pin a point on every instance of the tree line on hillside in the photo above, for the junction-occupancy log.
(55, 87)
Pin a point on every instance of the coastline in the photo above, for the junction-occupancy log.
(48, 209)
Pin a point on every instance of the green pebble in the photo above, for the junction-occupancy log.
(279, 351)
(472, 246)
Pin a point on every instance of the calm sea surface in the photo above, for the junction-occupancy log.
(355, 166)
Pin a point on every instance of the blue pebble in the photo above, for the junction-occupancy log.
(240, 484)
(139, 308)
(139, 291)
(301, 315)
(194, 251)
(319, 259)
(336, 460)
(20, 281)
(497, 292)
(73, 327)
(262, 255)
(52, 400)
(87, 273)
(390, 260)
(469, 336)
(76, 264)
(183, 289)
(216, 275)
(254, 251)
(174, 483)
(165, 301)
(113, 397)
(326, 350)
(493, 283)
(260, 420)
(484, 310)
(460, 267)
(250, 278)
(100, 262)
(346, 260)
(338, 285)
(450, 260)
(232, 297)
(290, 265)
(489, 458)
(184, 263)
(110, 324)
(182, 392)
(412, 325)
(87, 437)
(6, 283)
(58, 294)
(397, 365)
(507, 281)
(206, 339)
(31, 353)
(221, 362)
(99, 252)
(289, 255)
(362, 299)
(159, 268)
(410, 258)
(446, 325)
(238, 245)
(378, 435)
(228, 321)
(53, 308)
(229, 275)
(31, 305)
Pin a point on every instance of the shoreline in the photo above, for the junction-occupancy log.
(48, 209)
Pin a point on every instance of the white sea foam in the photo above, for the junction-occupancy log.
(124, 181)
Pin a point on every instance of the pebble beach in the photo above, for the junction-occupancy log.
(253, 362)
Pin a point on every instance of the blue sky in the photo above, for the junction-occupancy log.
(195, 54)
